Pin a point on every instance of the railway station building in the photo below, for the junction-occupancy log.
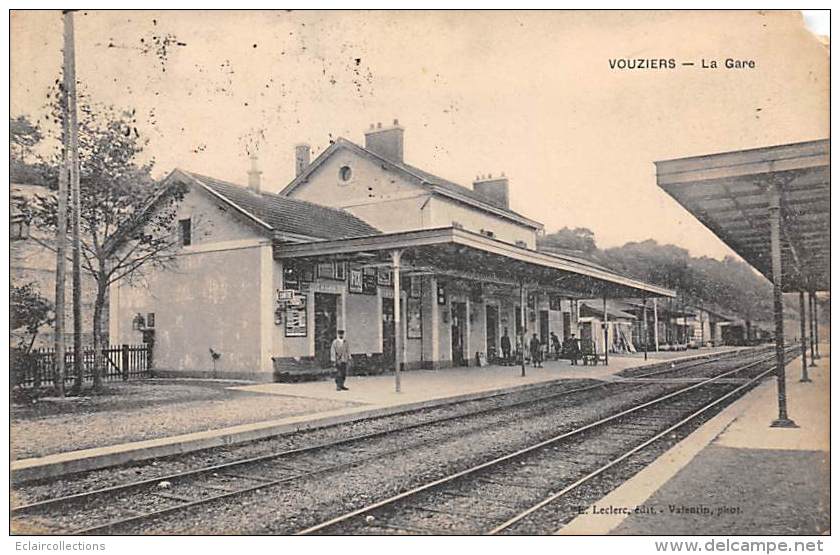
(421, 272)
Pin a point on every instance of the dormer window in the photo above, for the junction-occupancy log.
(487, 233)
(457, 225)
(522, 244)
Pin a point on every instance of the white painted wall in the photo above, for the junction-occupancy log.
(444, 212)
(391, 202)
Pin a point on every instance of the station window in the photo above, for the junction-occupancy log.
(345, 173)
(18, 229)
(185, 227)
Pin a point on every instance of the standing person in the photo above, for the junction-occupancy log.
(573, 349)
(340, 357)
(505, 348)
(536, 351)
(555, 344)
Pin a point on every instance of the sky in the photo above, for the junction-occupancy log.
(530, 94)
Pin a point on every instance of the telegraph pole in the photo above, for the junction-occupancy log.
(61, 235)
(523, 299)
(73, 166)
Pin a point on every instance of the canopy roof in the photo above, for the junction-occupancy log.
(455, 252)
(614, 311)
(729, 193)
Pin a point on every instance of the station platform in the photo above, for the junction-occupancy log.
(735, 475)
(44, 447)
(433, 385)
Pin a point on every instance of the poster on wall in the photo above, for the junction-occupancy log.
(325, 270)
(356, 283)
(307, 274)
(369, 281)
(296, 318)
(384, 277)
(414, 319)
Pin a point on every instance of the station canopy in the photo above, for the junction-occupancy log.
(462, 254)
(730, 194)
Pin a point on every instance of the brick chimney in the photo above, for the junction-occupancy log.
(302, 153)
(494, 189)
(386, 142)
(254, 175)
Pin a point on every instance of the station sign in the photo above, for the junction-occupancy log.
(286, 294)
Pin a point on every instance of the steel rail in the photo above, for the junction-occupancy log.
(342, 465)
(516, 454)
(87, 495)
(627, 454)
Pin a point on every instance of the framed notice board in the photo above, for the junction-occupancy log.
(369, 281)
(356, 285)
(296, 319)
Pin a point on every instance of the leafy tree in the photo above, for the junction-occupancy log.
(24, 165)
(28, 313)
(578, 239)
(730, 284)
(127, 220)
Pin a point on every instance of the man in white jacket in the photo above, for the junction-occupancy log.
(340, 357)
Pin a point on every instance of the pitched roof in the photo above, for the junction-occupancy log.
(435, 183)
(284, 214)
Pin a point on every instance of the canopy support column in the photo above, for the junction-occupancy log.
(396, 255)
(606, 335)
(802, 338)
(655, 326)
(776, 258)
(644, 326)
(816, 325)
(811, 325)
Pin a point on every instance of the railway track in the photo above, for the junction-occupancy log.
(530, 491)
(143, 500)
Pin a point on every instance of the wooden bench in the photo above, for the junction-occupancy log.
(589, 355)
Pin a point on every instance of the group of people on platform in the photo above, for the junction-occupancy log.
(539, 350)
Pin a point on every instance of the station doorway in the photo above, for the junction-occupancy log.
(492, 323)
(459, 331)
(326, 310)
(586, 332)
(389, 343)
(544, 327)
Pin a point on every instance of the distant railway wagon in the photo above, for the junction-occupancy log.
(739, 335)
(734, 335)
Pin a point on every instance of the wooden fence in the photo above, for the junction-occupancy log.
(120, 362)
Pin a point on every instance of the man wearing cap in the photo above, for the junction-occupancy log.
(340, 357)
